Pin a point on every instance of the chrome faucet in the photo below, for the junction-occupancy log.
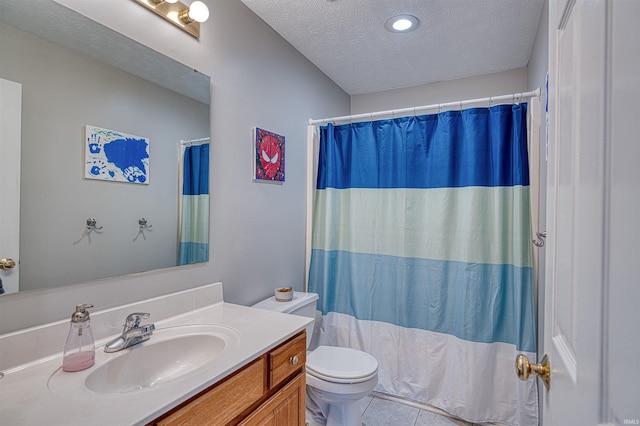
(132, 334)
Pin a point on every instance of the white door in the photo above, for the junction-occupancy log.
(10, 131)
(592, 272)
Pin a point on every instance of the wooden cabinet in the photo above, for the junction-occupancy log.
(285, 408)
(268, 391)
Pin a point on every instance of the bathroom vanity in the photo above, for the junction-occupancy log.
(207, 363)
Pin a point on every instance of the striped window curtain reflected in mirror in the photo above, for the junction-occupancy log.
(194, 203)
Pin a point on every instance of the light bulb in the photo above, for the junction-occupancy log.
(171, 1)
(402, 24)
(198, 11)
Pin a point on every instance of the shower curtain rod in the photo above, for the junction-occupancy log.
(194, 141)
(371, 115)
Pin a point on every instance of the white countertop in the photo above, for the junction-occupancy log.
(25, 397)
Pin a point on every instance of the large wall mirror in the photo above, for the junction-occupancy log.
(76, 73)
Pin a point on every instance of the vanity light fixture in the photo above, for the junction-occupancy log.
(402, 24)
(187, 18)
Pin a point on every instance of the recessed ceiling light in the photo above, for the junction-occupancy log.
(401, 24)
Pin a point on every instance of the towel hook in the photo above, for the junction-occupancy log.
(91, 224)
(540, 242)
(142, 222)
(142, 226)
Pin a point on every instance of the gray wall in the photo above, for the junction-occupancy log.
(62, 91)
(502, 83)
(257, 233)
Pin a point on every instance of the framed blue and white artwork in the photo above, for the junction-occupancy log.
(115, 156)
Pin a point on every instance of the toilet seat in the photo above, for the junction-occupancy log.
(341, 365)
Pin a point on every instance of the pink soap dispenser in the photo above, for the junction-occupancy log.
(79, 350)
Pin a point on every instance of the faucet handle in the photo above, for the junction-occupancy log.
(148, 329)
(133, 320)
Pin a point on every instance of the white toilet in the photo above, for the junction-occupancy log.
(337, 378)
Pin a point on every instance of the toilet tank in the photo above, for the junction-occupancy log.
(302, 304)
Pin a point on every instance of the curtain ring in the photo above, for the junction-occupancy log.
(490, 101)
(460, 105)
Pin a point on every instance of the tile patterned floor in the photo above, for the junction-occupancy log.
(377, 411)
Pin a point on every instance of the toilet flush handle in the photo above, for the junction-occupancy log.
(294, 360)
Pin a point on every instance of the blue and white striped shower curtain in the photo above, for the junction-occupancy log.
(421, 255)
(194, 215)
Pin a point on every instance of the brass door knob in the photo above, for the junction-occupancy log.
(7, 264)
(524, 369)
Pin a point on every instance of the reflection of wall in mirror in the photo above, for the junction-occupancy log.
(62, 92)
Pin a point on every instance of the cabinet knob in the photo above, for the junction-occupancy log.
(294, 360)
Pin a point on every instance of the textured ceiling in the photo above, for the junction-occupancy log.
(347, 40)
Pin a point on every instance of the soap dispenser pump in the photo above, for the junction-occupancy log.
(79, 350)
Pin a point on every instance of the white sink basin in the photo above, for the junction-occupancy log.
(171, 353)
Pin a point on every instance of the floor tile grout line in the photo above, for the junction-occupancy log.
(371, 403)
(415, 422)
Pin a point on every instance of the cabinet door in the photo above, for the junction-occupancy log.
(285, 408)
(224, 402)
(287, 359)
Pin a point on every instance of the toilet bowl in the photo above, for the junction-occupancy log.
(337, 378)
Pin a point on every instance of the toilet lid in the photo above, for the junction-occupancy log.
(342, 365)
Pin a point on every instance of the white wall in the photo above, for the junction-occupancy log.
(257, 230)
(502, 83)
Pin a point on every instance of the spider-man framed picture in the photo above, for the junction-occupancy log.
(268, 156)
